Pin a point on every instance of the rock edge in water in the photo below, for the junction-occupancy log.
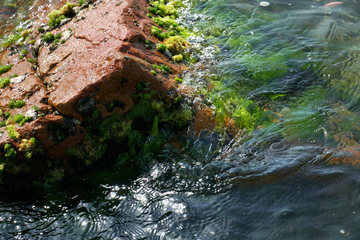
(88, 92)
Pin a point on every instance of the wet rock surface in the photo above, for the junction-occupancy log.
(100, 68)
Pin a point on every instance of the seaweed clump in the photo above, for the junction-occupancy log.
(137, 133)
(16, 103)
(4, 82)
(5, 68)
(65, 11)
(176, 44)
(174, 36)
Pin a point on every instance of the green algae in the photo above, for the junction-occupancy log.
(29, 147)
(176, 44)
(163, 68)
(24, 120)
(179, 80)
(4, 82)
(13, 134)
(10, 153)
(19, 36)
(5, 68)
(158, 33)
(232, 105)
(12, 38)
(18, 118)
(48, 37)
(143, 109)
(136, 140)
(129, 135)
(56, 16)
(162, 9)
(177, 58)
(58, 36)
(165, 16)
(161, 47)
(16, 103)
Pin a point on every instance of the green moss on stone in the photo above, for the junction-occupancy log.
(143, 109)
(10, 153)
(58, 36)
(163, 68)
(56, 16)
(36, 108)
(179, 80)
(17, 118)
(48, 37)
(176, 44)
(177, 58)
(152, 10)
(136, 139)
(70, 152)
(16, 103)
(158, 33)
(14, 37)
(29, 147)
(161, 47)
(5, 68)
(26, 119)
(23, 52)
(13, 134)
(4, 82)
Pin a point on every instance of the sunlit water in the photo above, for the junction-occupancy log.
(294, 177)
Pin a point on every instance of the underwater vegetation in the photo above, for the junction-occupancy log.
(138, 131)
(20, 35)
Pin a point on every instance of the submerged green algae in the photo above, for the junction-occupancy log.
(283, 69)
(137, 132)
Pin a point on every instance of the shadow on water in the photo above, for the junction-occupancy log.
(295, 176)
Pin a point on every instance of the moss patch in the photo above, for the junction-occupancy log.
(5, 68)
(4, 82)
(16, 103)
(122, 137)
(176, 44)
(13, 134)
(56, 16)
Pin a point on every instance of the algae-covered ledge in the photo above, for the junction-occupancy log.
(98, 80)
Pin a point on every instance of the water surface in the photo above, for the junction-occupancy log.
(288, 71)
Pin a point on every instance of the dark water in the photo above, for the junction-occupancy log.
(295, 176)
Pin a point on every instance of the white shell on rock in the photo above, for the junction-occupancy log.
(63, 21)
(18, 79)
(37, 44)
(31, 113)
(264, 4)
(66, 35)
